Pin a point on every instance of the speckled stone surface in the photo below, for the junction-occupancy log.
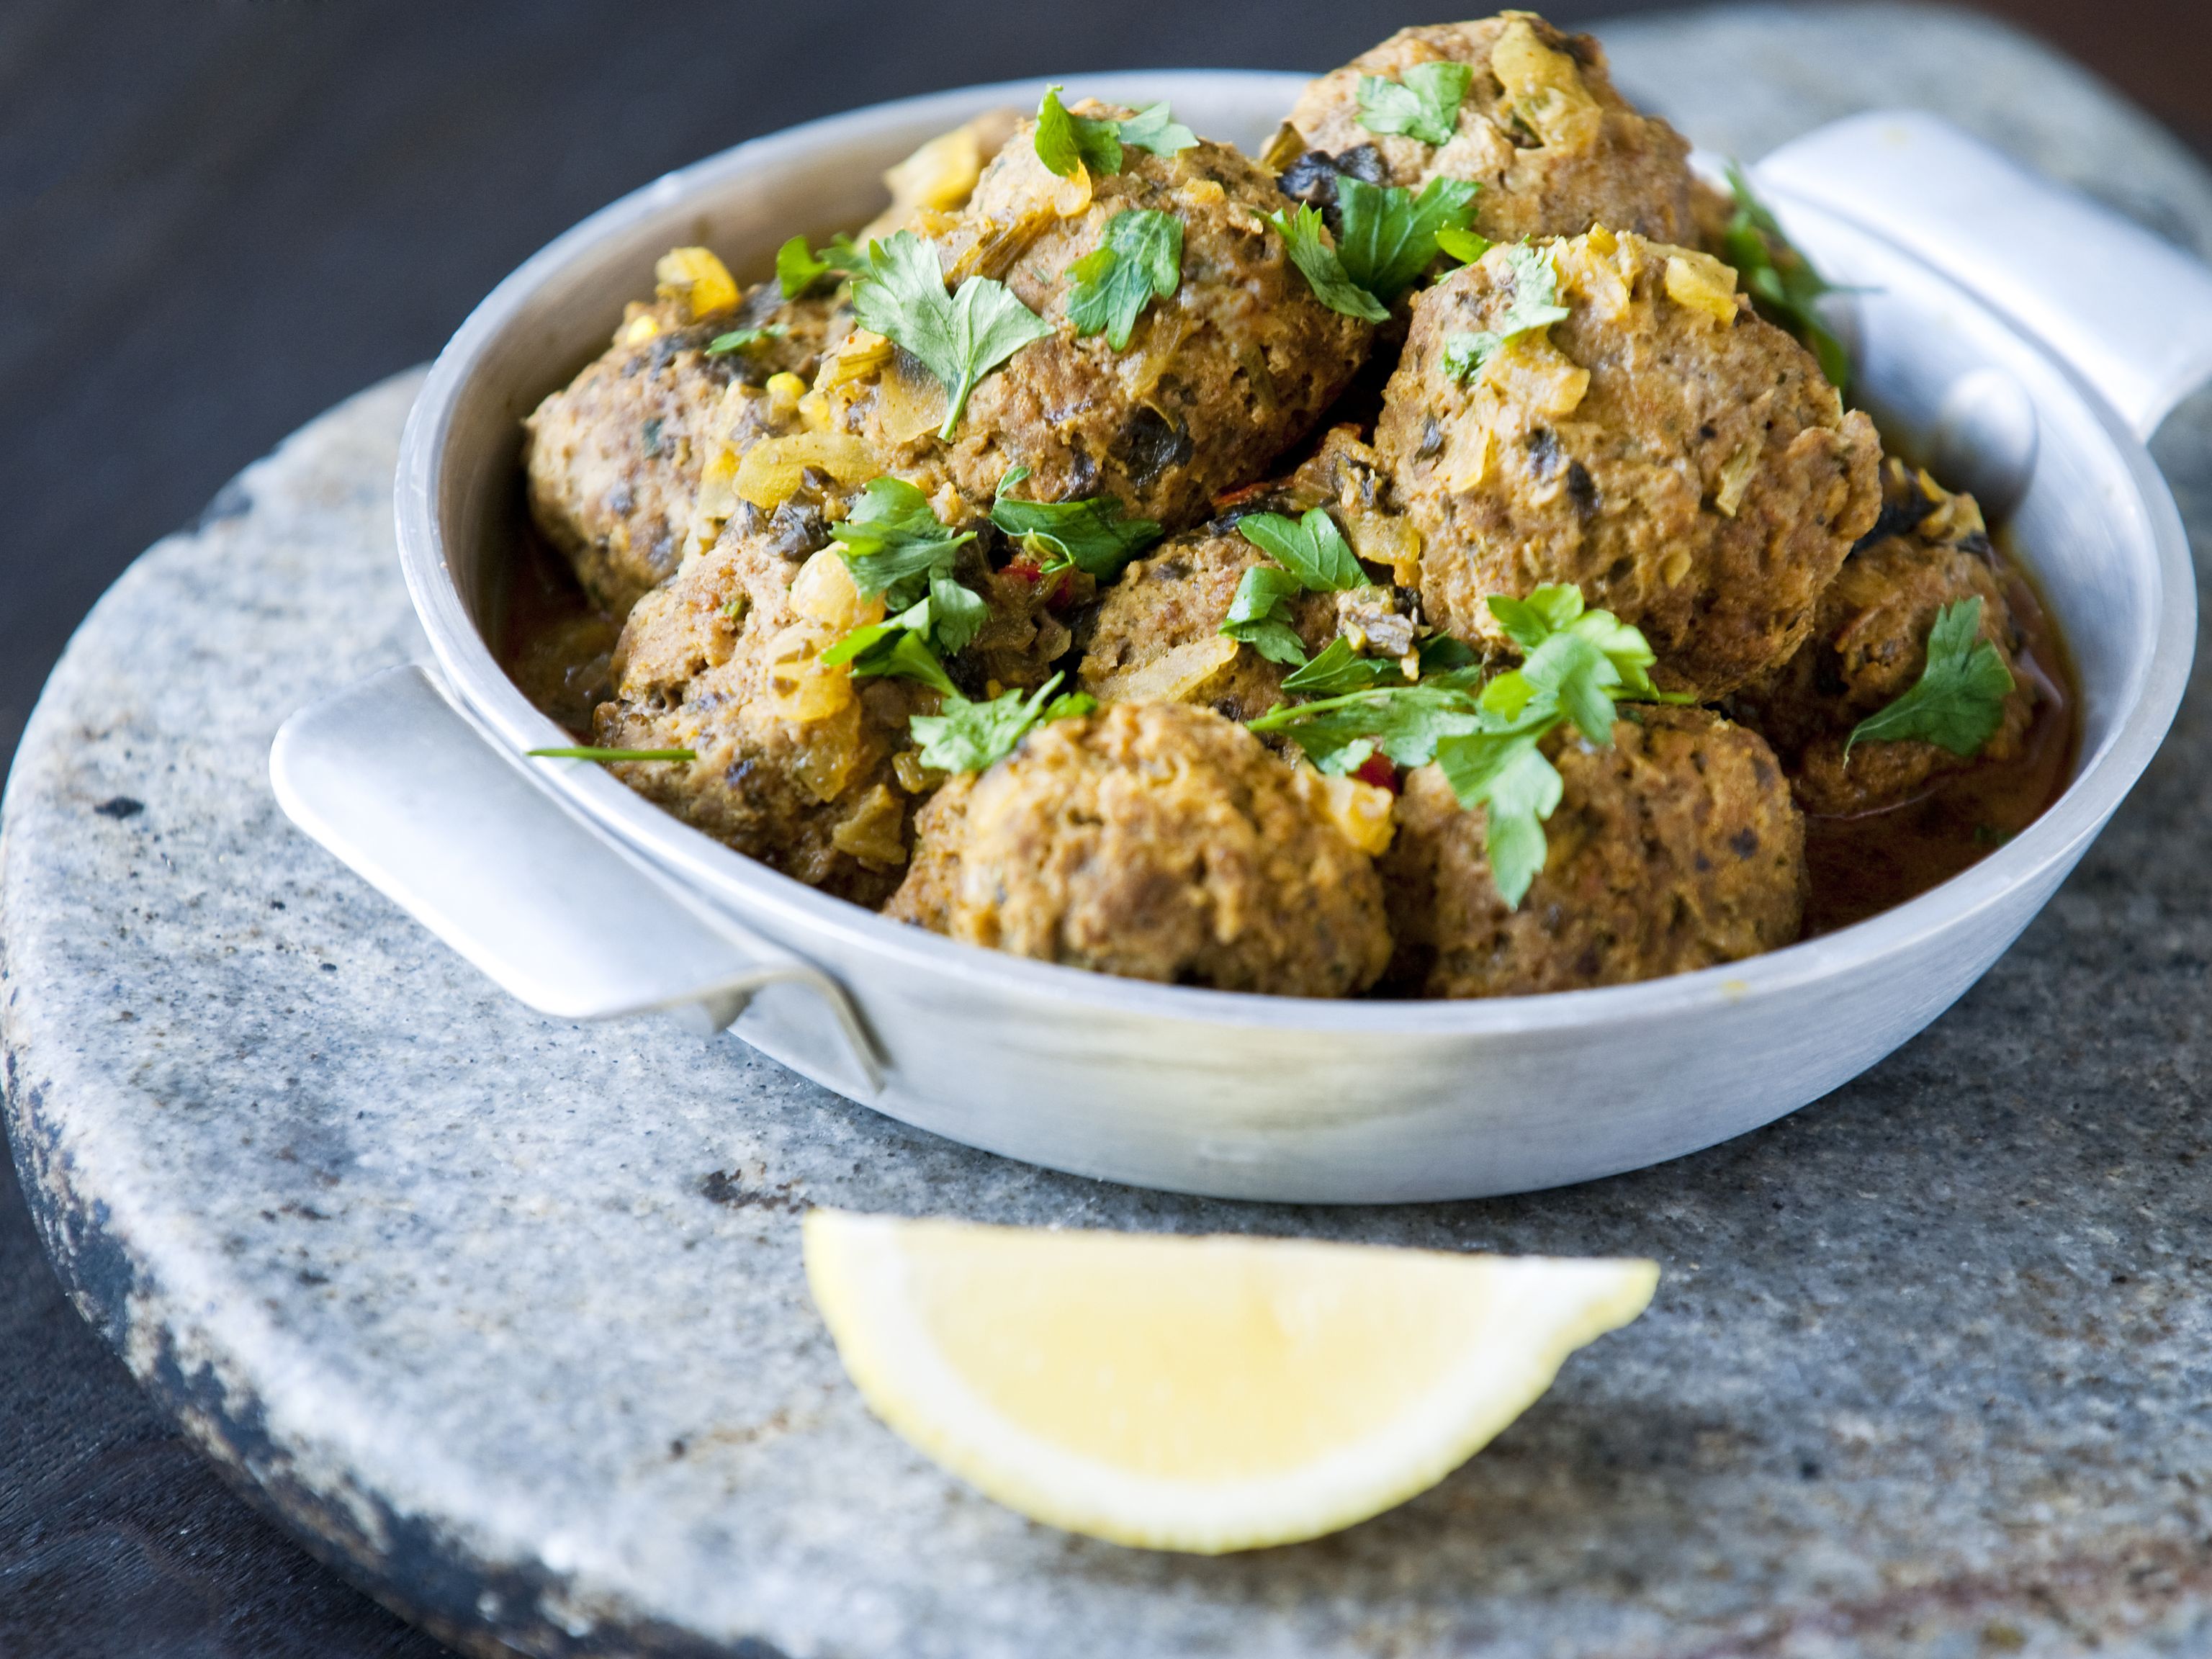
(507, 1315)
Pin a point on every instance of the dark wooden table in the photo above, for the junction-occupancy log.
(219, 217)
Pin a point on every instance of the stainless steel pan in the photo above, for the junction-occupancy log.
(1987, 333)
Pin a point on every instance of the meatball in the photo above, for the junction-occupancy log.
(1157, 842)
(1157, 635)
(797, 762)
(1681, 461)
(1555, 148)
(1217, 378)
(614, 458)
(1676, 849)
(1868, 646)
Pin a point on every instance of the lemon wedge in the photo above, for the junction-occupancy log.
(1201, 1394)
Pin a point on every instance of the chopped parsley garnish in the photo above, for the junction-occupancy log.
(742, 339)
(1536, 305)
(1155, 129)
(898, 645)
(960, 337)
(1423, 103)
(1579, 663)
(1312, 549)
(1391, 235)
(1303, 236)
(1064, 142)
(1091, 535)
(974, 736)
(798, 267)
(1259, 615)
(607, 756)
(1141, 258)
(1339, 669)
(1780, 280)
(1464, 246)
(1958, 703)
(893, 545)
(1313, 558)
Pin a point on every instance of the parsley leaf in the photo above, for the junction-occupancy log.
(893, 545)
(1958, 703)
(1312, 549)
(1390, 234)
(1065, 143)
(1140, 257)
(742, 339)
(973, 736)
(1405, 722)
(1259, 615)
(1509, 776)
(899, 647)
(1536, 305)
(1324, 271)
(1464, 246)
(798, 267)
(1423, 104)
(1339, 669)
(1154, 130)
(1780, 280)
(1091, 535)
(959, 338)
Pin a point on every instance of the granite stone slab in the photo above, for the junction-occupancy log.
(506, 1316)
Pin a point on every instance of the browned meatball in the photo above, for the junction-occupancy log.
(1215, 381)
(795, 759)
(614, 458)
(1682, 462)
(1869, 647)
(1157, 636)
(1555, 148)
(1676, 849)
(1157, 842)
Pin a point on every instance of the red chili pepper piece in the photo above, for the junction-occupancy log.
(1377, 770)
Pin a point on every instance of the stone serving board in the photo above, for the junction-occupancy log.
(506, 1316)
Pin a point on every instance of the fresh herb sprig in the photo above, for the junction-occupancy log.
(799, 267)
(1781, 281)
(893, 544)
(1091, 535)
(1391, 236)
(610, 757)
(1139, 260)
(1423, 103)
(1311, 557)
(1536, 305)
(1958, 703)
(898, 647)
(1305, 239)
(959, 336)
(974, 736)
(1065, 140)
(1488, 742)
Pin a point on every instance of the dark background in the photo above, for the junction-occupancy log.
(217, 217)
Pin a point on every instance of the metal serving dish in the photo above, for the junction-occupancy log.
(1986, 337)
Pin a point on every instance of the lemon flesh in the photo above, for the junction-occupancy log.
(1197, 1394)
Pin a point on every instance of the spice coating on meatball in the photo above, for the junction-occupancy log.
(1554, 147)
(1157, 842)
(1678, 848)
(1681, 461)
(1216, 378)
(1869, 646)
(614, 458)
(794, 758)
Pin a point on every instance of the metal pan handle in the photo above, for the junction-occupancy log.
(402, 787)
(2130, 313)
